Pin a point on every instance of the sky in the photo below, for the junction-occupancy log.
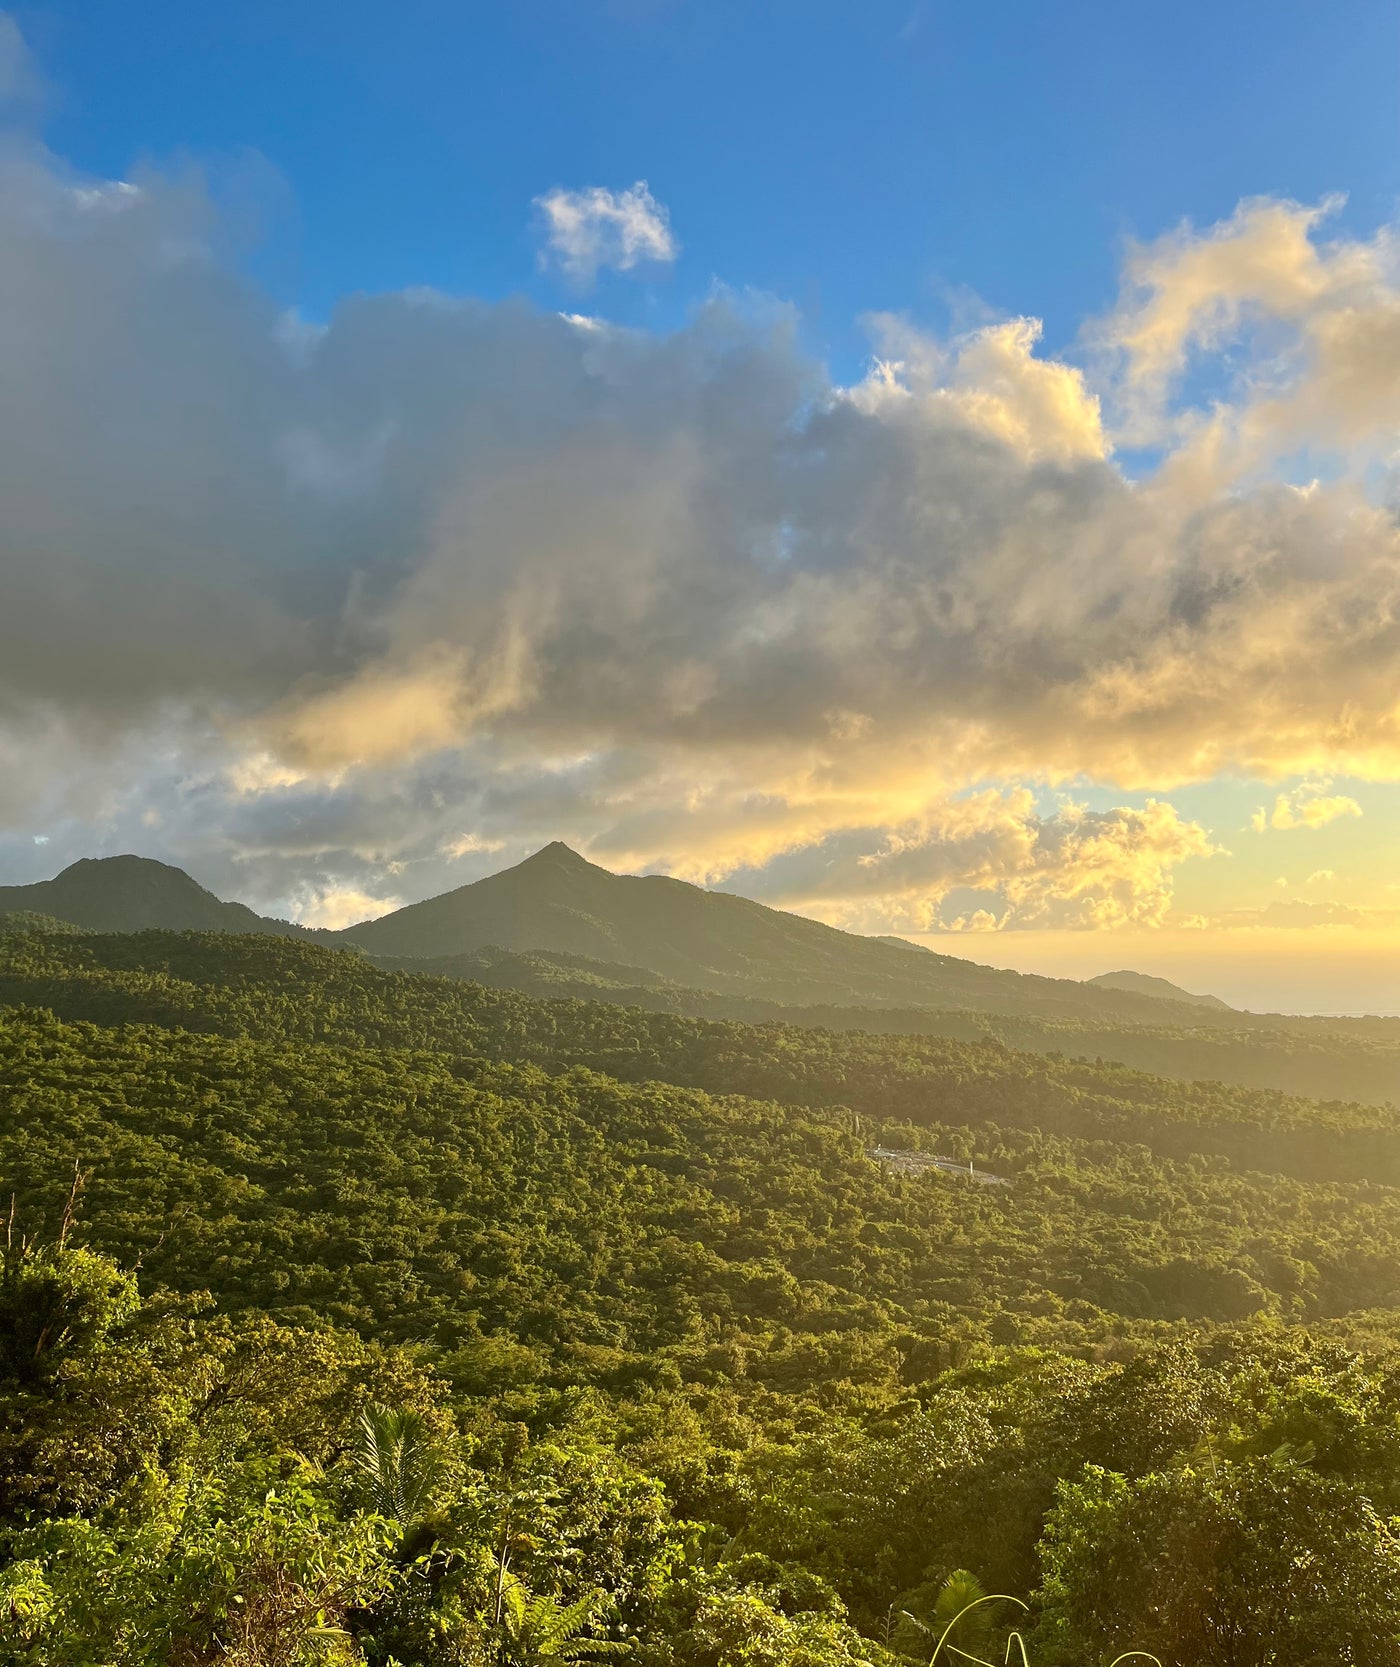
(925, 466)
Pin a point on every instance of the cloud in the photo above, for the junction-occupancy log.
(21, 80)
(1307, 806)
(1074, 870)
(442, 580)
(992, 381)
(334, 907)
(1189, 289)
(593, 229)
(1307, 333)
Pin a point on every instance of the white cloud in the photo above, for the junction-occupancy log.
(589, 230)
(470, 845)
(1075, 870)
(1306, 330)
(992, 381)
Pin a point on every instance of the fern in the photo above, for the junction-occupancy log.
(536, 1628)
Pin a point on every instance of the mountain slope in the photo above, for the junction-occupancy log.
(134, 894)
(1144, 984)
(303, 995)
(557, 901)
(1326, 1059)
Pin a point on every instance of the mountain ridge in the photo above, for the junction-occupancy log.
(657, 930)
(863, 986)
(558, 902)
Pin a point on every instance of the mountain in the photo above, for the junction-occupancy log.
(902, 943)
(1144, 984)
(1324, 1058)
(134, 894)
(558, 902)
(731, 961)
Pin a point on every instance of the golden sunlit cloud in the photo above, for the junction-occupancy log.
(443, 579)
(1307, 806)
(334, 907)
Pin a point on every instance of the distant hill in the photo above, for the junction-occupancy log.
(134, 894)
(1144, 984)
(559, 903)
(903, 943)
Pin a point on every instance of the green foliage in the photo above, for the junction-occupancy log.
(16, 922)
(483, 1204)
(534, 1628)
(406, 1322)
(1256, 1562)
(54, 1303)
(741, 1629)
(291, 990)
(398, 1461)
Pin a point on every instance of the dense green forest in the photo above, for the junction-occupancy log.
(1326, 1058)
(668, 947)
(283, 990)
(398, 1319)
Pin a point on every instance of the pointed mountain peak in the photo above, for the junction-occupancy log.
(558, 854)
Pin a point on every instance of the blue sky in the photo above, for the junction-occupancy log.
(905, 155)
(395, 482)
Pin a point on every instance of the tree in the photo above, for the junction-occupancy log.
(1236, 1565)
(398, 1461)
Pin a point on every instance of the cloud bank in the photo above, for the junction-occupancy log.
(364, 611)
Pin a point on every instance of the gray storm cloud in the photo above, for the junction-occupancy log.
(448, 576)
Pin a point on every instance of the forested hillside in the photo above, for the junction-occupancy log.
(558, 903)
(291, 991)
(547, 1330)
(1325, 1058)
(709, 955)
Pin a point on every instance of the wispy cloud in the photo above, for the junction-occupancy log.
(594, 229)
(1301, 913)
(990, 861)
